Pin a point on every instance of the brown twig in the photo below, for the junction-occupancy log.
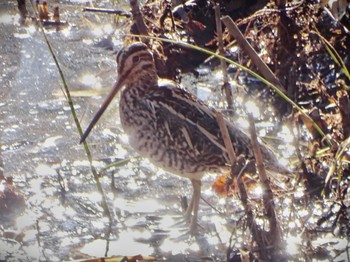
(238, 166)
(275, 235)
(226, 137)
(105, 10)
(226, 86)
(138, 19)
(244, 44)
(54, 23)
(257, 234)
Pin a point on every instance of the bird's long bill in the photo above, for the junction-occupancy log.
(117, 86)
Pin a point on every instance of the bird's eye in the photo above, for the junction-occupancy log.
(135, 59)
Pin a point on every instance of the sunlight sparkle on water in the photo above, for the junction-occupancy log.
(66, 32)
(80, 1)
(299, 193)
(35, 186)
(286, 134)
(2, 186)
(107, 132)
(108, 28)
(59, 212)
(70, 212)
(51, 142)
(97, 31)
(22, 35)
(31, 29)
(167, 221)
(138, 206)
(218, 75)
(292, 244)
(8, 19)
(68, 241)
(103, 30)
(239, 100)
(286, 211)
(242, 123)
(287, 148)
(90, 80)
(221, 229)
(234, 49)
(175, 247)
(125, 173)
(95, 248)
(94, 196)
(252, 108)
(33, 250)
(27, 219)
(258, 191)
(203, 92)
(294, 224)
(86, 163)
(98, 224)
(124, 138)
(222, 201)
(125, 245)
(44, 170)
(304, 213)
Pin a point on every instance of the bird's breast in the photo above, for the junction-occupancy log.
(162, 138)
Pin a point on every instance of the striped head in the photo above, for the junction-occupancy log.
(135, 65)
(135, 62)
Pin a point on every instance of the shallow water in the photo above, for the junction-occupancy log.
(63, 217)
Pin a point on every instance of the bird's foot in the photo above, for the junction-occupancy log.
(194, 227)
(188, 224)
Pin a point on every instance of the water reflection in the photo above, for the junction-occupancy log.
(90, 80)
(124, 246)
(9, 19)
(139, 206)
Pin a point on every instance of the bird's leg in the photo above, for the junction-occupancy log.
(189, 210)
(194, 205)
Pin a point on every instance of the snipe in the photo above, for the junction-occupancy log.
(170, 126)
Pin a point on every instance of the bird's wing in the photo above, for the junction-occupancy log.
(190, 119)
(184, 110)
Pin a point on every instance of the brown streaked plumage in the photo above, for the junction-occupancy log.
(170, 126)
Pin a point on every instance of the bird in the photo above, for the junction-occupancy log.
(170, 126)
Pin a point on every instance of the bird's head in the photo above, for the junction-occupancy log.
(135, 63)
